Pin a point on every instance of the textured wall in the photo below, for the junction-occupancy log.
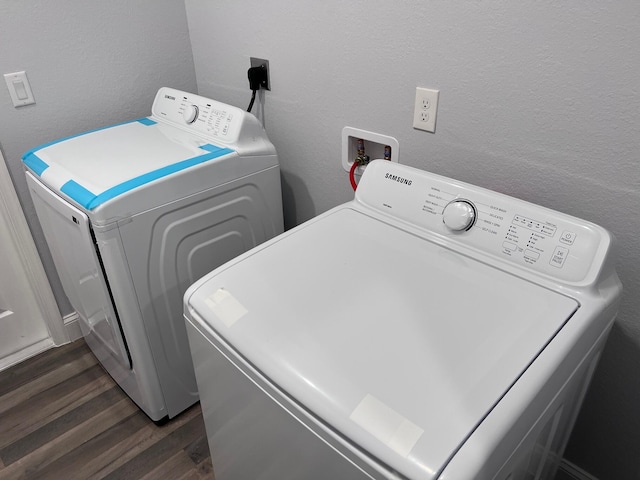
(538, 100)
(90, 64)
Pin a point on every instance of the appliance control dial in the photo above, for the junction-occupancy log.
(459, 215)
(190, 114)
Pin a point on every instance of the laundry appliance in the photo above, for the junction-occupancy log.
(428, 329)
(135, 213)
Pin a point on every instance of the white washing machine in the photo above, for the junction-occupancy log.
(429, 329)
(135, 213)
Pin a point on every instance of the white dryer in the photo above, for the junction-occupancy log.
(135, 213)
(429, 329)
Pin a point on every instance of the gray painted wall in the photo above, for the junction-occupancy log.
(539, 100)
(90, 64)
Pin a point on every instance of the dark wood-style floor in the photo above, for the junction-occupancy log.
(63, 417)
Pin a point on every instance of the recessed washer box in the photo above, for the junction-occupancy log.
(374, 143)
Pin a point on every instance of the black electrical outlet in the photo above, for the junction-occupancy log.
(258, 62)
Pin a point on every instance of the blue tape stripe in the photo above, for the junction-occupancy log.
(48, 144)
(78, 193)
(147, 121)
(35, 163)
(90, 201)
(155, 175)
(213, 149)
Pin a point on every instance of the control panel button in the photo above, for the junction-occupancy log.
(530, 254)
(509, 246)
(559, 256)
(459, 215)
(567, 237)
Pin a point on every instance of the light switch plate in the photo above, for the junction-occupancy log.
(19, 89)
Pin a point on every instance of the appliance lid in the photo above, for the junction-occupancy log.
(401, 345)
(97, 166)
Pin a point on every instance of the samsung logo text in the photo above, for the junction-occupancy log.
(398, 179)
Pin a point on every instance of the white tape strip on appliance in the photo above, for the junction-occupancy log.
(386, 425)
(226, 307)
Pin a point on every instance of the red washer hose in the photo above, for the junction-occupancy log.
(352, 175)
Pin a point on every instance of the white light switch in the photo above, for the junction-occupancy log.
(19, 88)
(21, 92)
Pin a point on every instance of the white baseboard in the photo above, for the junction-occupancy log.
(574, 471)
(25, 353)
(72, 326)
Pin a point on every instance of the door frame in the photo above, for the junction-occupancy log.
(11, 210)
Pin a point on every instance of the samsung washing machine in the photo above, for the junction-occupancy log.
(135, 213)
(429, 329)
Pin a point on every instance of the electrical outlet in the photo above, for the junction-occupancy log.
(257, 62)
(425, 109)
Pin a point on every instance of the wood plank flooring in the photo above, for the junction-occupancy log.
(63, 417)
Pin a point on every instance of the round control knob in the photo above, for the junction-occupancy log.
(459, 215)
(190, 114)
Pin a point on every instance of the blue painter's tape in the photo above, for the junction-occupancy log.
(35, 163)
(144, 121)
(78, 193)
(213, 149)
(124, 187)
(155, 175)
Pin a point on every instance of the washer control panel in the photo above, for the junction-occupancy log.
(225, 123)
(516, 231)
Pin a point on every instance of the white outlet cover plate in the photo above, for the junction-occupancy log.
(425, 109)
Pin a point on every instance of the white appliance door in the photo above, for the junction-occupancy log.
(401, 345)
(68, 233)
